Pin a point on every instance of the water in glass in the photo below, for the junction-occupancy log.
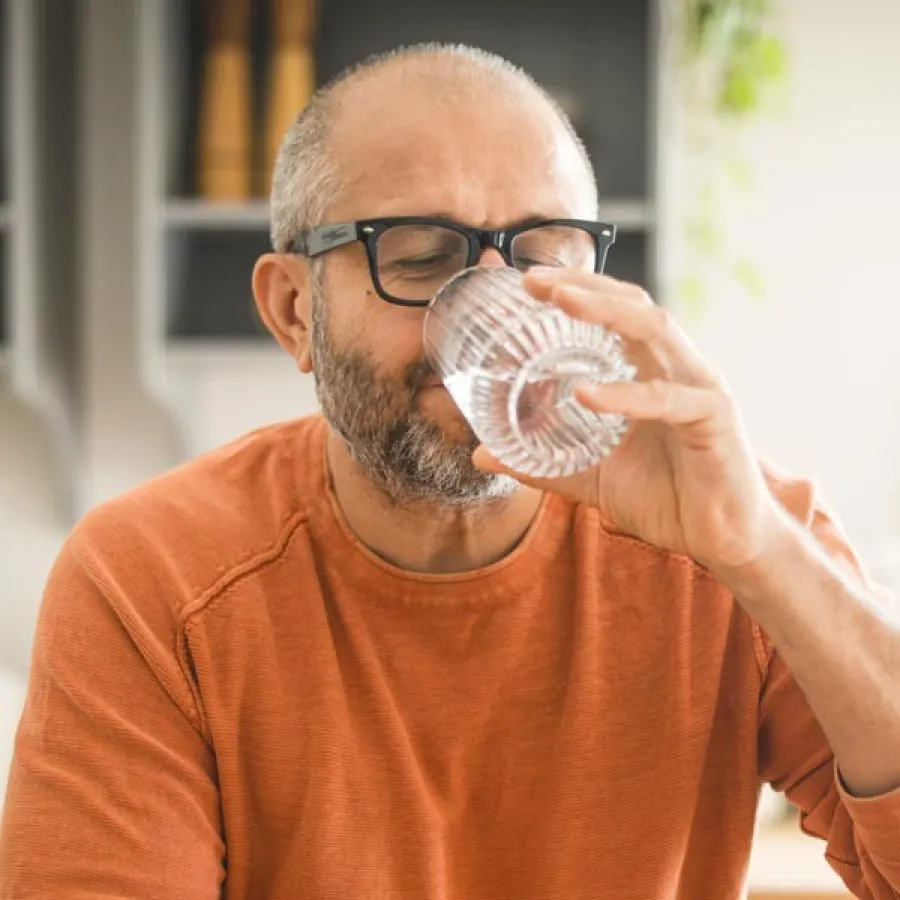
(511, 362)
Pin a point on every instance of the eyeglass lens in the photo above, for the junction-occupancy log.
(415, 260)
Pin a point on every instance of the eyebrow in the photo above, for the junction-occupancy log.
(527, 219)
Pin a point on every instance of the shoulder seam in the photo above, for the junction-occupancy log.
(224, 579)
(227, 577)
(191, 713)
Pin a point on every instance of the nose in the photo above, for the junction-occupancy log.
(490, 256)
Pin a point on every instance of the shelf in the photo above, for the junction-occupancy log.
(203, 215)
(627, 215)
(209, 289)
(628, 259)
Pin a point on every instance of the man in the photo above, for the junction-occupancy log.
(339, 658)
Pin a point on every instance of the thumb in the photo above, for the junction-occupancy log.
(571, 486)
(483, 459)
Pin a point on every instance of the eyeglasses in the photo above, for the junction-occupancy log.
(411, 257)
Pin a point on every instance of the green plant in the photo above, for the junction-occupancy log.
(733, 65)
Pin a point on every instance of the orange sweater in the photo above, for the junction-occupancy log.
(231, 697)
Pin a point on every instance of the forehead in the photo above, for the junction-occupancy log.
(484, 158)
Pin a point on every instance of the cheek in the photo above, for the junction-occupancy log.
(394, 335)
(362, 322)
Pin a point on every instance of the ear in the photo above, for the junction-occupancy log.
(282, 289)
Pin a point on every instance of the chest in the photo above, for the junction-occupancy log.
(382, 751)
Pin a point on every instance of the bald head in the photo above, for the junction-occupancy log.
(370, 118)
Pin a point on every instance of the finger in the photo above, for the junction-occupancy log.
(625, 315)
(628, 311)
(487, 462)
(660, 401)
(541, 280)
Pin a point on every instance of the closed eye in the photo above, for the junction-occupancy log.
(421, 265)
(422, 262)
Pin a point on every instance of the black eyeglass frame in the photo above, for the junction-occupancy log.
(324, 238)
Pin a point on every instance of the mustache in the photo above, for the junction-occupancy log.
(420, 375)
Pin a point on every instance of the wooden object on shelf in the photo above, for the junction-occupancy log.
(291, 76)
(225, 120)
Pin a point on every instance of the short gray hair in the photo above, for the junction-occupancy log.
(306, 181)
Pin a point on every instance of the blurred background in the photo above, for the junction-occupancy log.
(746, 149)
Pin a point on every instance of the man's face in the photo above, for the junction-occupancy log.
(490, 166)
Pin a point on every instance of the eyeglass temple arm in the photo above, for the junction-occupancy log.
(325, 238)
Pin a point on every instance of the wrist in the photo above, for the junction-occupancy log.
(779, 552)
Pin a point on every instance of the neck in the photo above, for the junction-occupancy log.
(426, 537)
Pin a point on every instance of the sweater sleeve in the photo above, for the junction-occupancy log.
(862, 835)
(112, 790)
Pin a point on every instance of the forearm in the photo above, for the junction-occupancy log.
(840, 644)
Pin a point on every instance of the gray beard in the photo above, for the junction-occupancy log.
(403, 453)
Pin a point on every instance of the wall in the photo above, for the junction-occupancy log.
(813, 369)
